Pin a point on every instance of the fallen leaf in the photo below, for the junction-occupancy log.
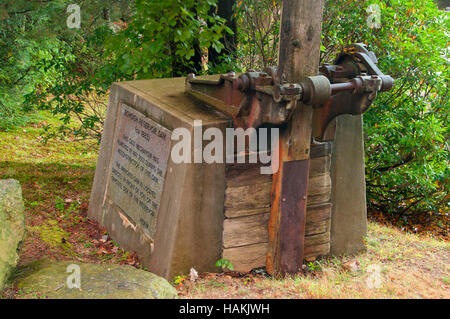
(352, 265)
(194, 275)
(102, 250)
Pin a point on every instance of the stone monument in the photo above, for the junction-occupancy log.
(181, 214)
(170, 214)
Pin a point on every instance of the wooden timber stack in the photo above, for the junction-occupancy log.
(247, 210)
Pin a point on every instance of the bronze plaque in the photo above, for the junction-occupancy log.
(140, 156)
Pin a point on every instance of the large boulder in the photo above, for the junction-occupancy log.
(12, 226)
(56, 280)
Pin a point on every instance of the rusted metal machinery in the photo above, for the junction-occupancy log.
(256, 98)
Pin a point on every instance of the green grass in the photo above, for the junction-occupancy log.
(407, 265)
(26, 145)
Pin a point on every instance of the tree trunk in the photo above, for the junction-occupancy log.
(225, 10)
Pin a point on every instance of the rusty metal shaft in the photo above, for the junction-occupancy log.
(339, 87)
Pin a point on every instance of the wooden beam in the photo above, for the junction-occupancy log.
(300, 37)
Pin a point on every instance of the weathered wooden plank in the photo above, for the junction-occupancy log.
(258, 195)
(318, 239)
(233, 213)
(292, 221)
(316, 228)
(317, 213)
(246, 230)
(320, 149)
(244, 197)
(246, 258)
(319, 165)
(317, 217)
(319, 184)
(242, 175)
(319, 199)
(317, 250)
(248, 197)
(240, 233)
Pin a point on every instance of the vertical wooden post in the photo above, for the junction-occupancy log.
(299, 52)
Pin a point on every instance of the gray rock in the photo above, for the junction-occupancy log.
(12, 226)
(47, 279)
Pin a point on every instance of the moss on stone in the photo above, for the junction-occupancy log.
(12, 226)
(44, 279)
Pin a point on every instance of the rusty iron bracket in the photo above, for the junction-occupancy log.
(355, 80)
(256, 98)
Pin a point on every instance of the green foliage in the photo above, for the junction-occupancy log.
(46, 64)
(165, 38)
(406, 129)
(59, 204)
(314, 266)
(23, 47)
(118, 40)
(258, 23)
(224, 264)
(178, 280)
(80, 90)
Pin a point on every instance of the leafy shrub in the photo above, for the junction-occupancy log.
(166, 38)
(224, 264)
(45, 64)
(258, 23)
(406, 130)
(119, 40)
(22, 49)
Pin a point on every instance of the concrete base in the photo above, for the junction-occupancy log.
(349, 212)
(189, 219)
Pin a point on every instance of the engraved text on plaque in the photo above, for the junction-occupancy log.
(139, 164)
